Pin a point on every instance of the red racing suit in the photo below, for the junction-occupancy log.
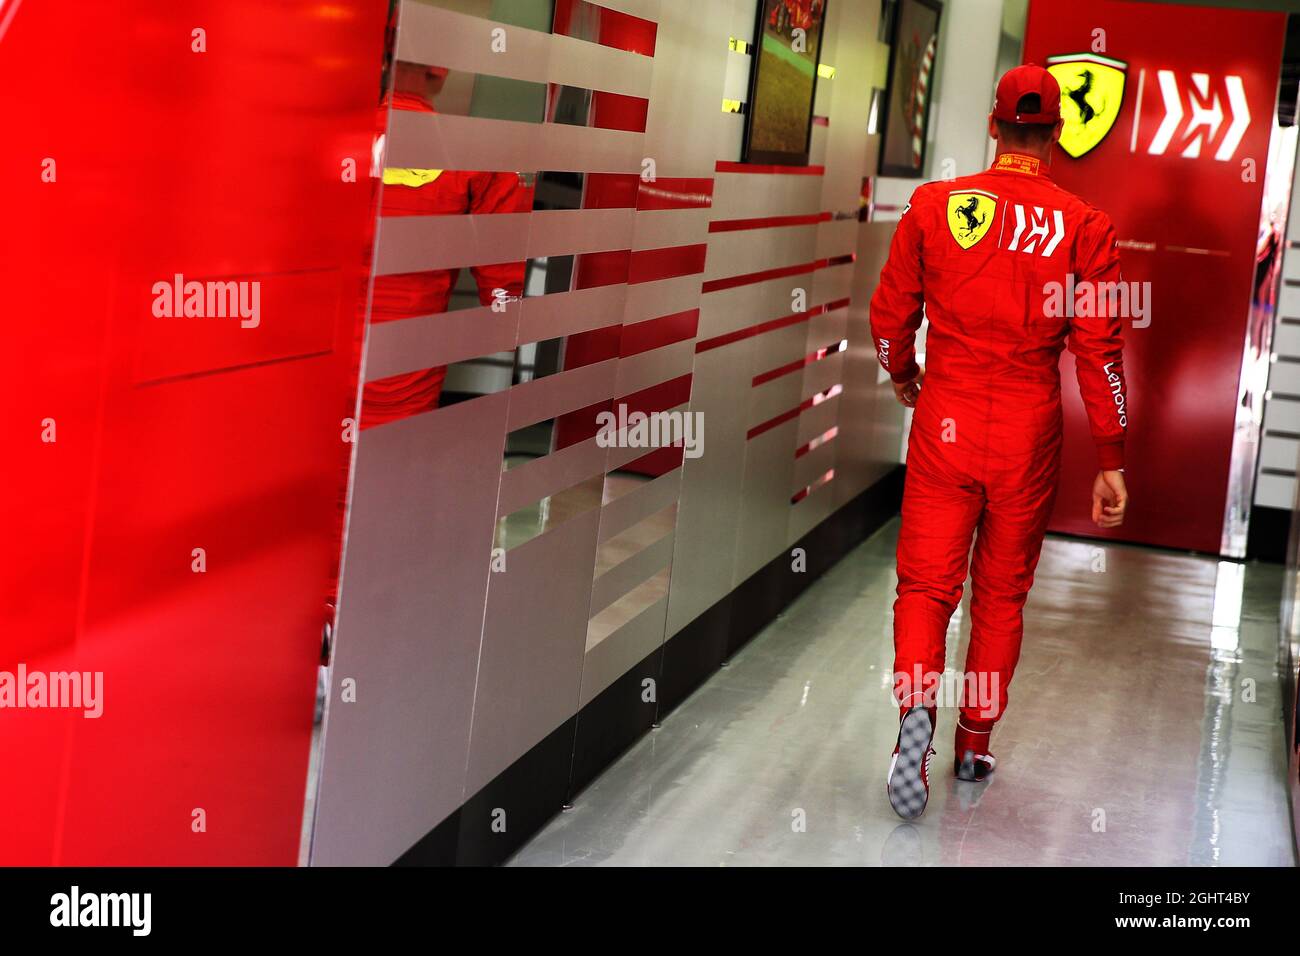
(1000, 264)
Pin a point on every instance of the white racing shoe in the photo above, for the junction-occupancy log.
(908, 783)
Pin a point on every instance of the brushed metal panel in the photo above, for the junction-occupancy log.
(655, 366)
(421, 243)
(1286, 339)
(1279, 453)
(730, 310)
(564, 313)
(774, 398)
(554, 395)
(623, 511)
(591, 66)
(534, 638)
(645, 9)
(818, 420)
(708, 513)
(838, 237)
(525, 484)
(832, 283)
(827, 328)
(613, 654)
(735, 84)
(817, 141)
(651, 300)
(810, 511)
(441, 339)
(1282, 415)
(731, 136)
(777, 348)
(568, 231)
(686, 93)
(663, 228)
(850, 46)
(459, 41)
(1275, 491)
(632, 571)
(447, 141)
(765, 499)
(560, 146)
(750, 250)
(620, 456)
(758, 195)
(808, 468)
(822, 374)
(1284, 377)
(410, 617)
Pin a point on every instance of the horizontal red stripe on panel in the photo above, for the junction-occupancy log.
(821, 121)
(658, 398)
(611, 191)
(752, 278)
(596, 269)
(588, 348)
(724, 166)
(770, 326)
(618, 111)
(584, 20)
(817, 442)
(803, 493)
(795, 412)
(768, 222)
(656, 463)
(740, 334)
(656, 333)
(675, 194)
(651, 265)
(797, 364)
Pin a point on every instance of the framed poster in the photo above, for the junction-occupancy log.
(911, 74)
(783, 80)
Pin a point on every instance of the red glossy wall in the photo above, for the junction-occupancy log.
(131, 156)
(1187, 225)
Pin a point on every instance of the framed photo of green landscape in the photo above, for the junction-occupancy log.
(783, 81)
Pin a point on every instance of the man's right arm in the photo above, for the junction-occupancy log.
(898, 302)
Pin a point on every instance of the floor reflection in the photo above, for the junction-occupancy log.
(1144, 729)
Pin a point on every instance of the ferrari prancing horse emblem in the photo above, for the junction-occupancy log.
(1092, 91)
(970, 214)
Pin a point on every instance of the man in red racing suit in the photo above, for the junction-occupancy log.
(987, 258)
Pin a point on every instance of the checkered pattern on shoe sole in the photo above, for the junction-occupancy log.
(908, 791)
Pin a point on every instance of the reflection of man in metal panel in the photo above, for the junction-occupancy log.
(989, 257)
(434, 192)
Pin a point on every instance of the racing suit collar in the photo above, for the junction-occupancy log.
(1019, 163)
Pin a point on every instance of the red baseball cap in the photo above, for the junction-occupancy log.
(1022, 81)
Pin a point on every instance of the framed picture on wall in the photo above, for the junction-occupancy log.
(912, 54)
(783, 81)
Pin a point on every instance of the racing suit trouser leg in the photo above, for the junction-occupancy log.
(1007, 547)
(941, 506)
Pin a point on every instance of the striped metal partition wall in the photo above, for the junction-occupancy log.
(1279, 447)
(514, 594)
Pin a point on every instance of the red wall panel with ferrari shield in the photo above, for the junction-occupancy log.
(1179, 104)
(174, 461)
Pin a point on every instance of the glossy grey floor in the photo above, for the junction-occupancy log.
(1144, 728)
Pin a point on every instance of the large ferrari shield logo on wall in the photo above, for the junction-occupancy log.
(1092, 91)
(970, 214)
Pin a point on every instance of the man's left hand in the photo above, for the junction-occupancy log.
(908, 392)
